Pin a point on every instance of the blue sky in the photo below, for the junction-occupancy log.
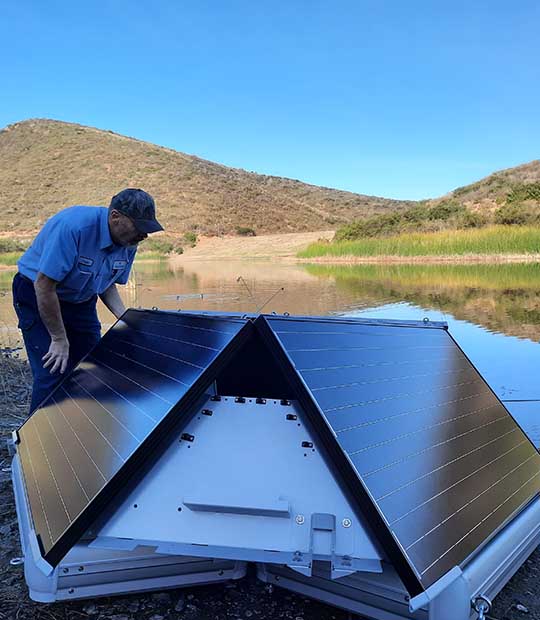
(404, 99)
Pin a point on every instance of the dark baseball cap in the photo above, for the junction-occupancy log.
(139, 207)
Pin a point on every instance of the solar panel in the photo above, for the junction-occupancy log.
(435, 459)
(90, 436)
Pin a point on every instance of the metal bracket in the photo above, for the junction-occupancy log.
(322, 541)
(481, 605)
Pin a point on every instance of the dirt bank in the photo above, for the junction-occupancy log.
(282, 246)
(242, 600)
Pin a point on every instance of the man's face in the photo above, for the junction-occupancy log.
(123, 230)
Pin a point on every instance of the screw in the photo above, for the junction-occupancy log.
(346, 523)
(299, 519)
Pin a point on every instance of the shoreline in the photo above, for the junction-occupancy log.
(428, 258)
(451, 259)
(285, 247)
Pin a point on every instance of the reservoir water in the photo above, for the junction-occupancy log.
(493, 311)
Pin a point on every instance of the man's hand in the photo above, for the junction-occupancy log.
(57, 356)
(49, 311)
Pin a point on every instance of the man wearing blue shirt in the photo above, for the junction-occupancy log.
(80, 254)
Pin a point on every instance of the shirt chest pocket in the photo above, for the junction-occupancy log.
(118, 268)
(82, 275)
(110, 272)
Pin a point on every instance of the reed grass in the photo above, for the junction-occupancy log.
(9, 259)
(489, 240)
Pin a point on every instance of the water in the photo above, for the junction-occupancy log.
(493, 311)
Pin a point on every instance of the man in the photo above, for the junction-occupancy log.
(80, 254)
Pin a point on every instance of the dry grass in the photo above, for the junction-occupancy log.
(48, 165)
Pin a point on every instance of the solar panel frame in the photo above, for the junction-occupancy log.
(144, 453)
(364, 500)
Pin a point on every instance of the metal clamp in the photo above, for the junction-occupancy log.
(482, 606)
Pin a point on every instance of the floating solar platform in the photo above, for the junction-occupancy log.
(87, 572)
(341, 451)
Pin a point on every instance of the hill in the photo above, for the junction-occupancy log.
(47, 165)
(511, 185)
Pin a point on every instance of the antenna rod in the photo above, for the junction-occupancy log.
(270, 299)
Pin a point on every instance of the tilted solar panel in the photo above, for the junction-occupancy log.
(90, 436)
(427, 443)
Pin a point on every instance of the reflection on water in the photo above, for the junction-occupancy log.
(493, 310)
(502, 298)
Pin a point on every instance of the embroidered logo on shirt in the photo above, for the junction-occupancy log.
(119, 264)
(88, 262)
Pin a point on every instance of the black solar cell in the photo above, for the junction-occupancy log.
(80, 445)
(425, 438)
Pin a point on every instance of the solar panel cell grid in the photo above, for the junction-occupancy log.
(101, 415)
(443, 461)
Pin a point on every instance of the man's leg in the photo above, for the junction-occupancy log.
(36, 340)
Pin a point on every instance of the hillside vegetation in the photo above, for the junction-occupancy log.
(47, 165)
(498, 215)
(516, 202)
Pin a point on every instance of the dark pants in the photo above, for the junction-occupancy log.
(82, 328)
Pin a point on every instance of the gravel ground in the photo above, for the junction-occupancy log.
(241, 600)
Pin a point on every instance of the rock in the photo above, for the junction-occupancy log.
(522, 608)
(119, 617)
(180, 604)
(90, 609)
(190, 597)
(156, 617)
(234, 594)
(248, 614)
(133, 606)
(161, 597)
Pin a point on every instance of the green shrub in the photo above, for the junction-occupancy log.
(418, 213)
(514, 214)
(446, 209)
(12, 245)
(163, 246)
(472, 219)
(525, 191)
(191, 238)
(245, 231)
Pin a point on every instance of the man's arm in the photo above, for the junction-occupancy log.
(111, 298)
(49, 310)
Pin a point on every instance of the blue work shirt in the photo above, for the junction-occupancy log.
(75, 249)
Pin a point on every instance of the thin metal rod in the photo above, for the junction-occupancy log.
(270, 299)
